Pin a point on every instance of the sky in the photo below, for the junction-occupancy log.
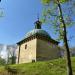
(18, 19)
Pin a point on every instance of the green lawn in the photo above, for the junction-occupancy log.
(52, 67)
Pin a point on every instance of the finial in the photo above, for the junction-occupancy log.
(38, 23)
(38, 16)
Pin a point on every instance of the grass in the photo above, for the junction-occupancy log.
(52, 67)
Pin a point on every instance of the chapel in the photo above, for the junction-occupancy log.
(37, 45)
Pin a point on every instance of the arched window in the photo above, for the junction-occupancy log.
(26, 46)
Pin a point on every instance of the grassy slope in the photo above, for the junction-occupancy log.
(53, 67)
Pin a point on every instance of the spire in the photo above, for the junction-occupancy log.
(38, 24)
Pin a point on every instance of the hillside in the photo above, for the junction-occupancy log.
(52, 67)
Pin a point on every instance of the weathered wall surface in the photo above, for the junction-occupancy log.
(28, 54)
(47, 50)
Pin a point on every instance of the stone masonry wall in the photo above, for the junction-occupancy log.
(47, 50)
(28, 54)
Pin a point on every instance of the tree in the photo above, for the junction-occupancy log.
(1, 11)
(2, 61)
(1, 48)
(11, 49)
(60, 23)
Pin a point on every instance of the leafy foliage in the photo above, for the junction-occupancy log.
(52, 16)
(55, 1)
(45, 1)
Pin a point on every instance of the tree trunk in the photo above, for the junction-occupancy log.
(69, 67)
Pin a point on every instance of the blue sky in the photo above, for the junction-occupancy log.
(19, 17)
